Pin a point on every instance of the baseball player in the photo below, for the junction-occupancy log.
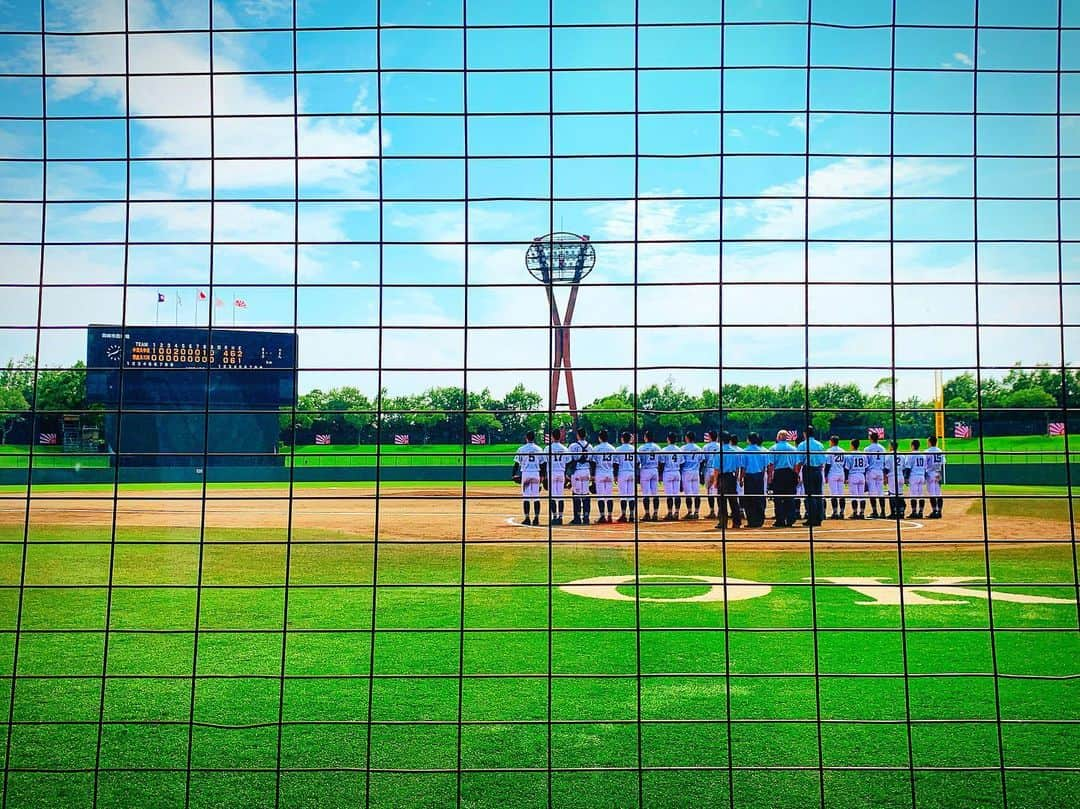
(670, 468)
(856, 462)
(625, 468)
(896, 473)
(529, 465)
(580, 470)
(604, 462)
(556, 459)
(711, 452)
(915, 467)
(875, 476)
(649, 460)
(690, 465)
(935, 476)
(835, 473)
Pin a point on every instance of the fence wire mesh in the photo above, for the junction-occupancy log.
(272, 350)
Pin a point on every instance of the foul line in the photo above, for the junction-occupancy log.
(737, 533)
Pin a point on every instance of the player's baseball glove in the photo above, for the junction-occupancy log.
(516, 477)
(544, 482)
(592, 487)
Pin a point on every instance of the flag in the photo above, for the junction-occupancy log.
(477, 439)
(1056, 428)
(160, 297)
(878, 432)
(961, 430)
(47, 438)
(401, 439)
(240, 303)
(202, 295)
(322, 438)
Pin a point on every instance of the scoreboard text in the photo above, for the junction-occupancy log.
(178, 347)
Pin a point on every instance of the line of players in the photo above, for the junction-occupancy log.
(735, 479)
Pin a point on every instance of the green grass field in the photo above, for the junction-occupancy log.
(494, 720)
(1029, 449)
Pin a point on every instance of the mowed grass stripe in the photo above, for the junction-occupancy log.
(683, 693)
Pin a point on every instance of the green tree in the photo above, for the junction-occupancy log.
(1030, 397)
(483, 421)
(750, 406)
(481, 417)
(517, 410)
(61, 390)
(614, 412)
(822, 421)
(960, 392)
(16, 384)
(13, 409)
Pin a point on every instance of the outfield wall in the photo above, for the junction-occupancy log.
(1027, 474)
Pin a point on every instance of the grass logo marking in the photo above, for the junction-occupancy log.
(607, 587)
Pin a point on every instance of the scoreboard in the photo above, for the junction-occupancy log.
(176, 395)
(181, 347)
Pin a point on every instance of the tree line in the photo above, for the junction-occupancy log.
(443, 414)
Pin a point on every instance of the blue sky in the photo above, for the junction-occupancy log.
(685, 196)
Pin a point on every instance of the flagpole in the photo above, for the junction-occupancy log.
(157, 309)
(233, 293)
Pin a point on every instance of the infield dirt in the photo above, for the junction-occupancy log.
(487, 513)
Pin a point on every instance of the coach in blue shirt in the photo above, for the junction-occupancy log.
(755, 460)
(810, 464)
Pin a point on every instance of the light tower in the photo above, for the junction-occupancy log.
(561, 259)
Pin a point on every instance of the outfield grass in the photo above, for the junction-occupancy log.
(692, 674)
(1030, 449)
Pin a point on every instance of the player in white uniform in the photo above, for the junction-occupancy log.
(649, 460)
(935, 476)
(579, 454)
(672, 472)
(625, 470)
(604, 464)
(690, 462)
(856, 462)
(712, 487)
(895, 474)
(875, 477)
(529, 461)
(834, 475)
(915, 467)
(556, 459)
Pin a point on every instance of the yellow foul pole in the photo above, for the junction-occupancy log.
(939, 408)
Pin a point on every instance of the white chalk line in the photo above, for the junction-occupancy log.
(734, 532)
